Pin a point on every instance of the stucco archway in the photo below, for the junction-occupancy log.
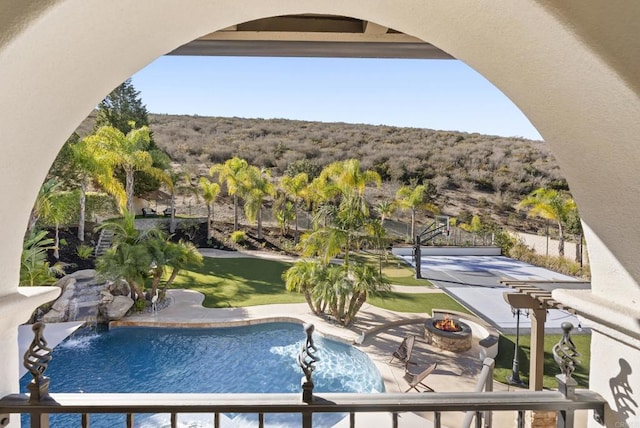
(569, 65)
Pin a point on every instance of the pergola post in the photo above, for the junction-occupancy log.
(538, 318)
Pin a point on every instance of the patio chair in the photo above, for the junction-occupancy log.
(148, 212)
(403, 353)
(415, 379)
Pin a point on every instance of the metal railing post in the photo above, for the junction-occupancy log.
(306, 361)
(484, 383)
(566, 355)
(35, 360)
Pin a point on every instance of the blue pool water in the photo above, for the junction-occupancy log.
(258, 359)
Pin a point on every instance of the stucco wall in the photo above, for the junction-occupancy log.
(570, 65)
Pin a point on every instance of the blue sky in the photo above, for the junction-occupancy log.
(435, 94)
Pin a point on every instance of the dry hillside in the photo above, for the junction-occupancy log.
(472, 173)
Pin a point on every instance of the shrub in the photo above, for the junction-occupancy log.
(238, 236)
(84, 251)
(189, 228)
(140, 305)
(521, 252)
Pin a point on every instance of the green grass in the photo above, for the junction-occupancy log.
(238, 282)
(416, 303)
(504, 359)
(394, 269)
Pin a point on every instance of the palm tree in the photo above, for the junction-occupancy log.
(61, 211)
(413, 199)
(331, 289)
(296, 188)
(183, 255)
(386, 210)
(166, 254)
(324, 243)
(132, 256)
(172, 180)
(210, 192)
(365, 281)
(301, 278)
(34, 267)
(345, 220)
(283, 211)
(128, 261)
(43, 204)
(128, 152)
(88, 168)
(258, 187)
(232, 174)
(377, 235)
(551, 205)
(346, 176)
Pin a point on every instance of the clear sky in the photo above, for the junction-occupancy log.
(435, 94)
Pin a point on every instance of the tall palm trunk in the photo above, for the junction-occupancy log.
(172, 223)
(309, 300)
(172, 277)
(295, 211)
(357, 300)
(260, 222)
(560, 240)
(129, 189)
(209, 221)
(157, 276)
(235, 212)
(136, 291)
(83, 208)
(56, 243)
(413, 224)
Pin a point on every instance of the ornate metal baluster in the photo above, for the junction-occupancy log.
(36, 360)
(566, 356)
(306, 361)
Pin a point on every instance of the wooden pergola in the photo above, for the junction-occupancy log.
(536, 296)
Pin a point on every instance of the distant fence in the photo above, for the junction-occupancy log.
(544, 245)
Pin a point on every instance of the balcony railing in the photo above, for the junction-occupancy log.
(478, 405)
(262, 404)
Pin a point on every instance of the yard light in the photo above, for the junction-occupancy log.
(514, 377)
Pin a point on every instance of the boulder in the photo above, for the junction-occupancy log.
(81, 275)
(119, 288)
(116, 308)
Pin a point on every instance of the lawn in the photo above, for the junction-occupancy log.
(235, 282)
(504, 360)
(393, 268)
(416, 302)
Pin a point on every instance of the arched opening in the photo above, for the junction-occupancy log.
(554, 61)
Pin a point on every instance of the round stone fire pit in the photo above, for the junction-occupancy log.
(458, 339)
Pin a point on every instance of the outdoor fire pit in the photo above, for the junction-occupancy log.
(448, 334)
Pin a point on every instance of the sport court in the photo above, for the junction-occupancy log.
(474, 280)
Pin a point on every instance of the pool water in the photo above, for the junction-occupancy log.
(251, 359)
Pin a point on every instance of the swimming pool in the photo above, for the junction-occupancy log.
(254, 359)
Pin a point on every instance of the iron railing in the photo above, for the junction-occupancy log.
(262, 404)
(40, 404)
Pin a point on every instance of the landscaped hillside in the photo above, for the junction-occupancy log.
(472, 173)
